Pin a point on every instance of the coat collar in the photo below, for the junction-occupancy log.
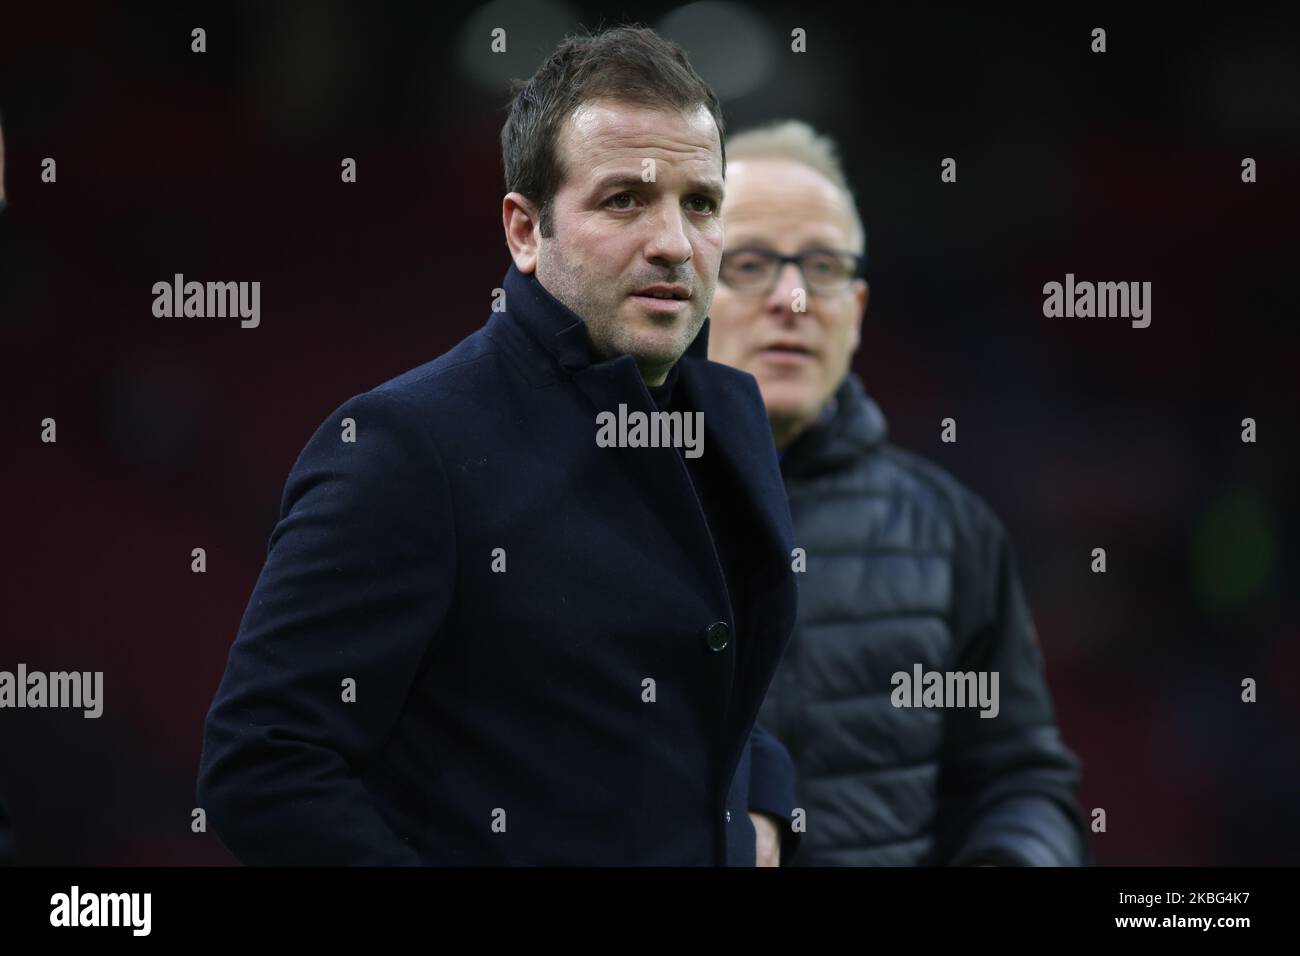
(558, 330)
(736, 427)
(856, 426)
(736, 432)
(735, 422)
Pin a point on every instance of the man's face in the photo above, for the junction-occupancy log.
(615, 235)
(799, 358)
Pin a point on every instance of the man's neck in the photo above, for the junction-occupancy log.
(653, 374)
(785, 431)
(656, 374)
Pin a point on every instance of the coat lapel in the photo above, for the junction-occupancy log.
(744, 444)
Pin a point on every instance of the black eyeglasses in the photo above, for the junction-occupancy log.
(754, 270)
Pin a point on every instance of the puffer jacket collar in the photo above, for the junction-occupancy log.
(857, 426)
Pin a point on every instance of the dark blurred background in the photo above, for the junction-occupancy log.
(178, 433)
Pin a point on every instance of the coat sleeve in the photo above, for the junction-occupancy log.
(357, 579)
(1008, 784)
(771, 787)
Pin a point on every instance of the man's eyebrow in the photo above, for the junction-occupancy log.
(617, 179)
(708, 187)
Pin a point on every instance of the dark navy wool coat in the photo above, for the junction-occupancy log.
(495, 591)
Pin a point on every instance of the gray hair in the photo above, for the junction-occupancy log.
(798, 142)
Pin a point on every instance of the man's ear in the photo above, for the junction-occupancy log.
(520, 219)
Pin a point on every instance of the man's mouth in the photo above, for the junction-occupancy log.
(664, 291)
(662, 298)
(786, 353)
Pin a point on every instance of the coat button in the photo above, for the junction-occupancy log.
(728, 815)
(718, 636)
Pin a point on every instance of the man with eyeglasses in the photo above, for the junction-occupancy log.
(907, 571)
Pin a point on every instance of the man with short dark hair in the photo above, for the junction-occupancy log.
(908, 572)
(484, 636)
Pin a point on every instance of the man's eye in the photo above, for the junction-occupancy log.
(614, 201)
(824, 265)
(746, 261)
(709, 205)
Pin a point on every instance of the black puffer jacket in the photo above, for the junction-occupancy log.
(906, 566)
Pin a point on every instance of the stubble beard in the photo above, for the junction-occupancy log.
(598, 307)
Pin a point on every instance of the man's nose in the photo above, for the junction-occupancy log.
(668, 242)
(782, 296)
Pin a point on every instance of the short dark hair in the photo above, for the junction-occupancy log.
(628, 64)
